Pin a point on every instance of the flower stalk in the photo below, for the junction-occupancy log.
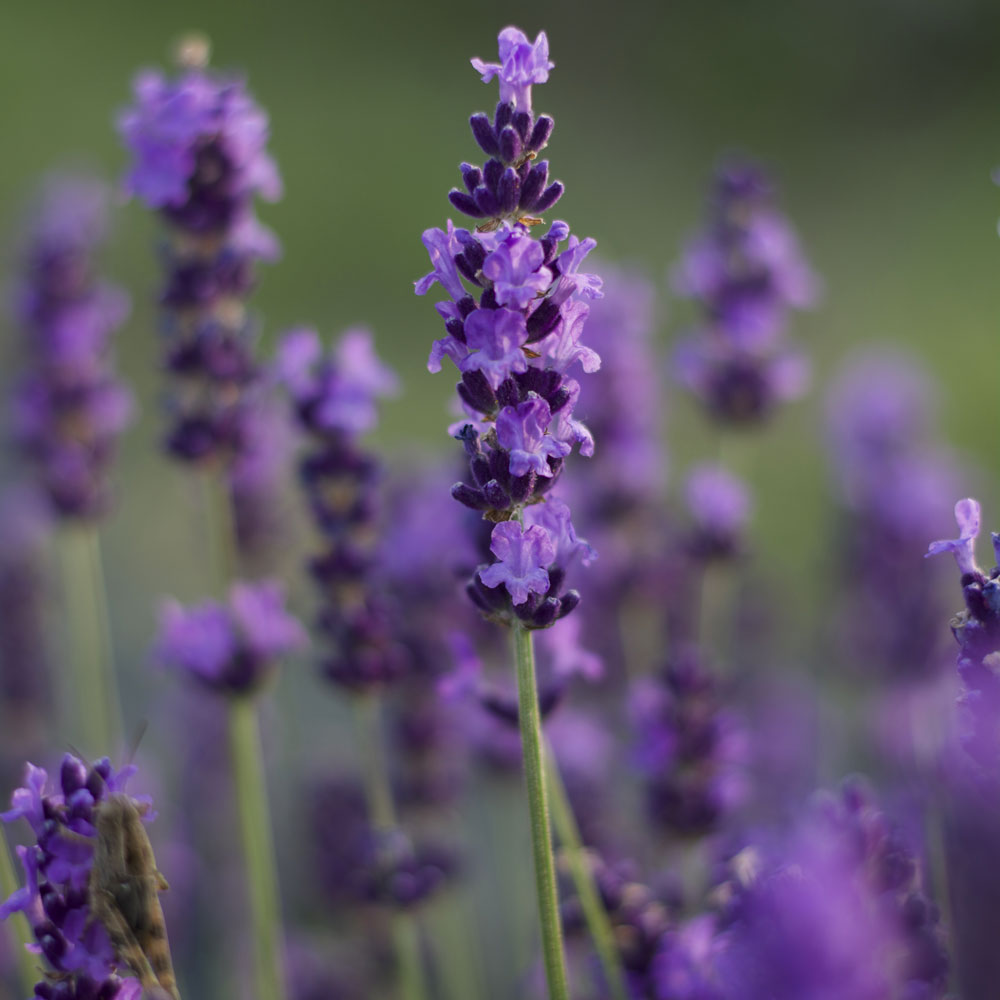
(573, 850)
(89, 639)
(258, 847)
(382, 813)
(538, 808)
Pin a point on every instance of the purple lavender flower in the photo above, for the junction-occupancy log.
(258, 476)
(522, 557)
(684, 967)
(624, 406)
(691, 753)
(357, 863)
(522, 63)
(516, 346)
(230, 647)
(640, 917)
(746, 272)
(198, 143)
(69, 408)
(334, 399)
(719, 504)
(57, 870)
(977, 630)
(896, 484)
(338, 394)
(833, 909)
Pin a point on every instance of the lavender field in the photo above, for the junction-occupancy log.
(497, 504)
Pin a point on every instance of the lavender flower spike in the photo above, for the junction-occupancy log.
(514, 321)
(967, 514)
(977, 632)
(229, 647)
(747, 273)
(199, 158)
(513, 325)
(69, 408)
(76, 948)
(334, 398)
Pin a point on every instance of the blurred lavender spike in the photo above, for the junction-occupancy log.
(69, 407)
(746, 272)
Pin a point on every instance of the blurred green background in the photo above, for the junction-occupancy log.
(881, 118)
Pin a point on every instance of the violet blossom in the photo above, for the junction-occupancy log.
(231, 647)
(55, 897)
(514, 346)
(69, 408)
(490, 714)
(720, 505)
(334, 400)
(747, 273)
(691, 752)
(834, 908)
(977, 630)
(896, 484)
(198, 143)
(357, 863)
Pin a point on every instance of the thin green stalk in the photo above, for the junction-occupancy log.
(97, 715)
(538, 810)
(220, 528)
(17, 923)
(568, 832)
(454, 919)
(258, 848)
(378, 790)
(382, 812)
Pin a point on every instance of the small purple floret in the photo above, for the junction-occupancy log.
(963, 548)
(229, 647)
(521, 430)
(523, 556)
(516, 270)
(495, 337)
(522, 63)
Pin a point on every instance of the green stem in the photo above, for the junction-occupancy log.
(17, 923)
(220, 528)
(538, 810)
(601, 931)
(382, 812)
(378, 790)
(98, 707)
(258, 848)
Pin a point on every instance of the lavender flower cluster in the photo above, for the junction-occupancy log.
(199, 149)
(672, 795)
(515, 346)
(977, 631)
(57, 869)
(69, 407)
(334, 402)
(746, 272)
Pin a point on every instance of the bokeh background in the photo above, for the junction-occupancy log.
(881, 119)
